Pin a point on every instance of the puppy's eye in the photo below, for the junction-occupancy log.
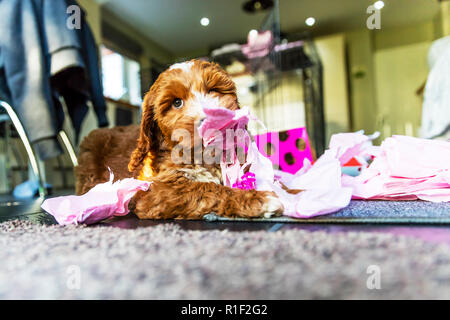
(177, 103)
(212, 90)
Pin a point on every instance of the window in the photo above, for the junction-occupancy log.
(121, 77)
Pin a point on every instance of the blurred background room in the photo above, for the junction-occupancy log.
(330, 66)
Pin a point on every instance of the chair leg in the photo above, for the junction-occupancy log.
(31, 156)
(69, 147)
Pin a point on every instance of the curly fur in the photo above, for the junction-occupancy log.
(102, 149)
(181, 191)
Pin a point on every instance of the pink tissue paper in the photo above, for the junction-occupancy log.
(103, 201)
(321, 183)
(405, 168)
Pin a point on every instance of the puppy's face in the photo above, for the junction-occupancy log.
(174, 105)
(182, 92)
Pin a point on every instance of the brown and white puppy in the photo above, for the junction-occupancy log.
(179, 190)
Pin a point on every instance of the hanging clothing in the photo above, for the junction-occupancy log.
(41, 60)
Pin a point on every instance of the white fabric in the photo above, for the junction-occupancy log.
(436, 104)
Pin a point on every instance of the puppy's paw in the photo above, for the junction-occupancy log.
(251, 204)
(272, 207)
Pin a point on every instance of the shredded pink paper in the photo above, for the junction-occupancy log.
(103, 201)
(406, 168)
(321, 183)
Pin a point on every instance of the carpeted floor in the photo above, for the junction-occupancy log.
(166, 262)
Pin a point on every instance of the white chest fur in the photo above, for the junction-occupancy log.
(202, 174)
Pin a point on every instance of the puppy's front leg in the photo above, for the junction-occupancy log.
(186, 199)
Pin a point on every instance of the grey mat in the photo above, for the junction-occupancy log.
(166, 262)
(389, 212)
(421, 212)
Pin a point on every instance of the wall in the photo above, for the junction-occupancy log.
(95, 14)
(386, 67)
(399, 72)
(445, 18)
(402, 36)
(336, 105)
(360, 50)
(150, 48)
(400, 62)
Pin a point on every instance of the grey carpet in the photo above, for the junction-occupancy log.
(166, 262)
(359, 211)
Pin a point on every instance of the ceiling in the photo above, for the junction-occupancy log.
(175, 24)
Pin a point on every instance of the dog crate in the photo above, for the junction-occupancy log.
(280, 80)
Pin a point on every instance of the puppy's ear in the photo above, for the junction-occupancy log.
(148, 139)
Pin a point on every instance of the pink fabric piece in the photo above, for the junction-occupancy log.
(321, 182)
(103, 201)
(406, 168)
